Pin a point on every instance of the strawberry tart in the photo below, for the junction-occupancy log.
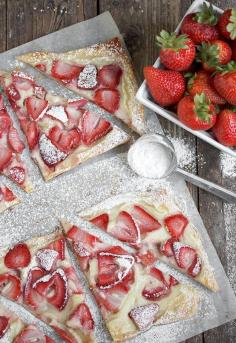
(101, 73)
(61, 133)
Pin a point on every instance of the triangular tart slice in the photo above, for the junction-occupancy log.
(7, 198)
(132, 297)
(61, 133)
(101, 73)
(38, 274)
(11, 149)
(154, 224)
(14, 330)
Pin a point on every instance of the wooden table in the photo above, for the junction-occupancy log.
(139, 21)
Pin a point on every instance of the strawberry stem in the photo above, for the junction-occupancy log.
(206, 15)
(208, 53)
(168, 40)
(226, 68)
(231, 27)
(202, 107)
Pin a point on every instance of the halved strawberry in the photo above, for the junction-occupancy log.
(74, 111)
(81, 318)
(5, 121)
(196, 267)
(144, 316)
(31, 131)
(14, 140)
(113, 268)
(78, 235)
(125, 229)
(10, 286)
(17, 257)
(53, 287)
(109, 99)
(40, 92)
(5, 156)
(4, 321)
(109, 75)
(59, 247)
(176, 224)
(69, 140)
(156, 293)
(166, 248)
(110, 299)
(66, 71)
(17, 174)
(65, 336)
(144, 220)
(8, 194)
(35, 106)
(94, 127)
(101, 221)
(12, 93)
(30, 334)
(157, 274)
(41, 67)
(186, 257)
(31, 297)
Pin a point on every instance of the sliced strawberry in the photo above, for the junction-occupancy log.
(144, 220)
(4, 321)
(88, 77)
(2, 106)
(14, 140)
(144, 316)
(12, 93)
(195, 267)
(65, 336)
(10, 286)
(49, 340)
(78, 235)
(113, 268)
(54, 288)
(109, 99)
(157, 274)
(81, 318)
(101, 221)
(74, 110)
(31, 297)
(31, 131)
(94, 127)
(5, 121)
(17, 174)
(69, 140)
(66, 71)
(55, 134)
(5, 157)
(40, 92)
(125, 229)
(35, 106)
(75, 286)
(41, 67)
(47, 258)
(176, 224)
(59, 247)
(147, 257)
(156, 293)
(21, 76)
(109, 75)
(185, 255)
(30, 334)
(110, 299)
(167, 247)
(8, 194)
(173, 281)
(18, 257)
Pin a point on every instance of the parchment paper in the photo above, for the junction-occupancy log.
(93, 182)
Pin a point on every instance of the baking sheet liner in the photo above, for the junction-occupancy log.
(96, 180)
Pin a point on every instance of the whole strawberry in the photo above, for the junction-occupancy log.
(201, 82)
(225, 128)
(227, 24)
(201, 26)
(166, 86)
(211, 54)
(177, 52)
(197, 113)
(225, 82)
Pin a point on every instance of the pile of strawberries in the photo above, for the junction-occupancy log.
(199, 74)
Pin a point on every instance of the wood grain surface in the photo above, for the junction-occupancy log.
(139, 21)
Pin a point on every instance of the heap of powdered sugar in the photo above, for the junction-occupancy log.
(51, 155)
(88, 77)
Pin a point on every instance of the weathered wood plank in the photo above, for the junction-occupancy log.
(3, 24)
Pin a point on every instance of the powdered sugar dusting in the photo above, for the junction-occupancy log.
(50, 154)
(144, 316)
(228, 165)
(88, 77)
(47, 258)
(58, 112)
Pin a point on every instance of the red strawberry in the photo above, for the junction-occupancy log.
(59, 247)
(197, 113)
(143, 316)
(125, 229)
(74, 111)
(64, 140)
(2, 106)
(81, 318)
(201, 82)
(35, 107)
(4, 321)
(214, 53)
(7, 193)
(18, 257)
(176, 224)
(10, 286)
(101, 221)
(147, 257)
(12, 93)
(74, 285)
(177, 52)
(31, 131)
(31, 297)
(173, 281)
(156, 293)
(113, 268)
(225, 82)
(109, 99)
(109, 75)
(14, 140)
(225, 128)
(166, 86)
(94, 127)
(167, 247)
(144, 220)
(78, 235)
(186, 257)
(66, 71)
(17, 174)
(157, 274)
(30, 334)
(111, 299)
(49, 340)
(40, 92)
(5, 121)
(5, 157)
(227, 24)
(65, 336)
(195, 268)
(200, 26)
(41, 67)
